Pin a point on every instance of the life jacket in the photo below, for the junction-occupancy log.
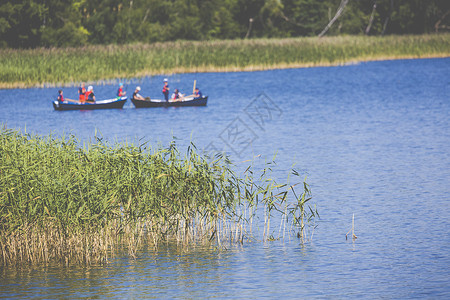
(82, 92)
(165, 89)
(86, 95)
(176, 96)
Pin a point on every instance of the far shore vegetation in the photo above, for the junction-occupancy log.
(69, 66)
(62, 201)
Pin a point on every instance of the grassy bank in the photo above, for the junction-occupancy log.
(60, 201)
(25, 68)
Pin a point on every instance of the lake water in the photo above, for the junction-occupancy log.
(372, 138)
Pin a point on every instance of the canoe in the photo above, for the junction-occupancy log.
(101, 104)
(188, 101)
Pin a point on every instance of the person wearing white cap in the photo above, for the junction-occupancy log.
(90, 97)
(136, 94)
(165, 89)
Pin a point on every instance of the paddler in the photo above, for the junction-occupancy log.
(60, 96)
(176, 96)
(197, 93)
(136, 94)
(82, 92)
(165, 89)
(90, 97)
(120, 91)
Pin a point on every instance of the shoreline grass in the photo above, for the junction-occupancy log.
(62, 202)
(70, 66)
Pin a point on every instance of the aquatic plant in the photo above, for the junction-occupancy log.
(60, 201)
(69, 66)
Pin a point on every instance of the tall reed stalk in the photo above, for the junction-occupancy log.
(63, 202)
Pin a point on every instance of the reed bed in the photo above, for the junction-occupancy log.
(69, 66)
(63, 202)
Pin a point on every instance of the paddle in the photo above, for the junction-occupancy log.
(188, 96)
(184, 96)
(71, 100)
(178, 99)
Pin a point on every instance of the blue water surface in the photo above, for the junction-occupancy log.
(372, 138)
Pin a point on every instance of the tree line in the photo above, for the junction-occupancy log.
(59, 23)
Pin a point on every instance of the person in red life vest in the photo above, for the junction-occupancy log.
(176, 96)
(90, 97)
(60, 96)
(120, 91)
(86, 95)
(165, 90)
(81, 93)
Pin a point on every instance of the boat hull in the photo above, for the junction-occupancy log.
(161, 103)
(102, 104)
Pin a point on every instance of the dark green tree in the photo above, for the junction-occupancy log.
(21, 22)
(63, 24)
(34, 23)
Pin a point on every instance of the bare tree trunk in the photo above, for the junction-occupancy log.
(288, 20)
(146, 16)
(250, 23)
(369, 26)
(438, 23)
(388, 18)
(339, 12)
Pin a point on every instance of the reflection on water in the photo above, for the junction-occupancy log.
(373, 140)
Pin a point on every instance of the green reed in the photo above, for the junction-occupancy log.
(60, 201)
(69, 66)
